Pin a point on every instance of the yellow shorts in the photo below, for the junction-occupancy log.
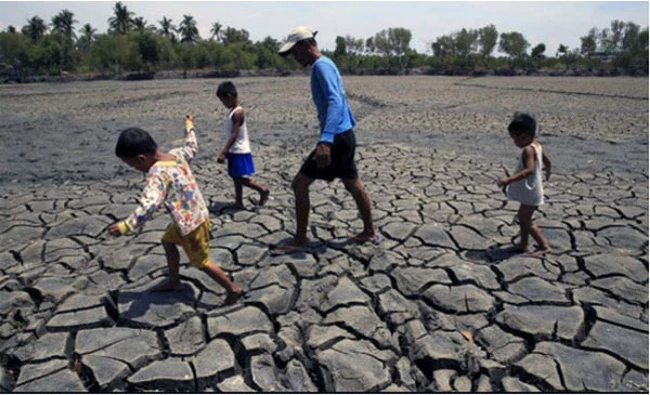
(196, 244)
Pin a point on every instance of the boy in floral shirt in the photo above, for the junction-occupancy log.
(170, 182)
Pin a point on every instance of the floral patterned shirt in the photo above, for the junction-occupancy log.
(171, 183)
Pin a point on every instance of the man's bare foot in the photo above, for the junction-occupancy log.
(264, 197)
(541, 250)
(290, 246)
(167, 286)
(363, 237)
(233, 296)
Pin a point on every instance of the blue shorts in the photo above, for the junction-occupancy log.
(240, 165)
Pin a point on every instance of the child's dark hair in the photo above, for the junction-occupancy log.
(227, 88)
(523, 123)
(133, 142)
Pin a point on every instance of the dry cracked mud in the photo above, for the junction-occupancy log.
(439, 305)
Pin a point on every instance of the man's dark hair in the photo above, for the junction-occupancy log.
(133, 142)
(523, 123)
(227, 88)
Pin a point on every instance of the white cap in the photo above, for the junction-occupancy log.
(298, 33)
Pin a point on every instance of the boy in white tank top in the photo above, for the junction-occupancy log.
(525, 185)
(237, 149)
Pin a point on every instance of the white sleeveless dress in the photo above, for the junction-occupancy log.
(529, 191)
(240, 158)
(242, 145)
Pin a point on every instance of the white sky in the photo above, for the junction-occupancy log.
(551, 23)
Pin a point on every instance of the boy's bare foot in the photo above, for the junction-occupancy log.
(233, 296)
(167, 287)
(289, 247)
(363, 237)
(264, 197)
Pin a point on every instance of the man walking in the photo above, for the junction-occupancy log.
(334, 153)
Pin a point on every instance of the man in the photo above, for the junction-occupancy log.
(334, 153)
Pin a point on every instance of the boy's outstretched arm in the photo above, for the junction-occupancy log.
(547, 165)
(191, 146)
(152, 197)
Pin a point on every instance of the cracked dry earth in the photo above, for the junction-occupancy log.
(438, 305)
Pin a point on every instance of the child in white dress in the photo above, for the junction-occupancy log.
(237, 149)
(525, 185)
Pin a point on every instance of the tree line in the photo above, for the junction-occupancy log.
(131, 44)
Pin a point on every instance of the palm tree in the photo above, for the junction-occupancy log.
(188, 30)
(88, 32)
(216, 31)
(87, 37)
(166, 28)
(35, 28)
(139, 24)
(122, 21)
(63, 23)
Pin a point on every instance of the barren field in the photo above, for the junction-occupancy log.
(441, 304)
(67, 130)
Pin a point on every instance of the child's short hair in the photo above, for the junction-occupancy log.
(523, 122)
(227, 88)
(133, 142)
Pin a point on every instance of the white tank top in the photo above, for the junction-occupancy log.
(241, 145)
(529, 191)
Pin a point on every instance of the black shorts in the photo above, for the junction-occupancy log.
(342, 164)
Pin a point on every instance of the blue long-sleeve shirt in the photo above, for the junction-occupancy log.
(334, 114)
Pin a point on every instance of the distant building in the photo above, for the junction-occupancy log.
(606, 55)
